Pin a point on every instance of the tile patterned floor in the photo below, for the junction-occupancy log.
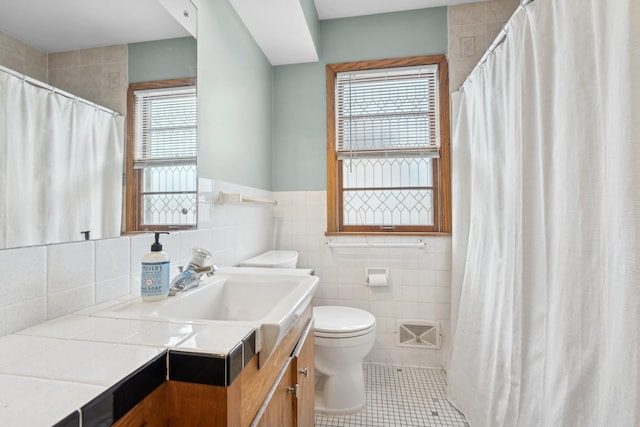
(401, 397)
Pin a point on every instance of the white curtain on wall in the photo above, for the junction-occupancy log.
(546, 185)
(61, 167)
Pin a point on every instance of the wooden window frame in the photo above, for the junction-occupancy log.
(133, 177)
(441, 165)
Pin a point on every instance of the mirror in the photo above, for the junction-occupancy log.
(93, 52)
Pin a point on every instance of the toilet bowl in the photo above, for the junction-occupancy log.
(343, 338)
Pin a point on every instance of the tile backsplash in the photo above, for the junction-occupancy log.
(45, 282)
(420, 279)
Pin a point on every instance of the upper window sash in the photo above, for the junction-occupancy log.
(336, 157)
(392, 110)
(166, 127)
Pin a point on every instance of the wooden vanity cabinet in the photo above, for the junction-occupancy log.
(176, 404)
(280, 406)
(150, 412)
(290, 402)
(305, 374)
(279, 394)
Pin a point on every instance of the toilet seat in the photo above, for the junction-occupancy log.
(343, 335)
(342, 322)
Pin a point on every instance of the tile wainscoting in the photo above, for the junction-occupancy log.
(420, 279)
(45, 282)
(40, 283)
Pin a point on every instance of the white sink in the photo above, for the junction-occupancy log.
(270, 303)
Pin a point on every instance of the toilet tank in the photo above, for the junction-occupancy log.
(273, 259)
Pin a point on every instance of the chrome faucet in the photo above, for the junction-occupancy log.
(190, 276)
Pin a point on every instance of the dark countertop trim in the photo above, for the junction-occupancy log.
(178, 365)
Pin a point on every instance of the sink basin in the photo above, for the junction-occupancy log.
(270, 303)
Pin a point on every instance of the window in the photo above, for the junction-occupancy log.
(388, 146)
(161, 184)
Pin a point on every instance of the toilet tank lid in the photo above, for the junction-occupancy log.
(271, 259)
(340, 319)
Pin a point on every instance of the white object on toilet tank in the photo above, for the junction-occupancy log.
(273, 259)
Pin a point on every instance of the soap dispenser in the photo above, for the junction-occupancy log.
(155, 272)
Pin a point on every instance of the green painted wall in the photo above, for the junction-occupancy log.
(235, 99)
(162, 60)
(299, 114)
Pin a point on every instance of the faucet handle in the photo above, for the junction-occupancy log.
(213, 269)
(200, 257)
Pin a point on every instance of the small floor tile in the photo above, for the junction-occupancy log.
(402, 397)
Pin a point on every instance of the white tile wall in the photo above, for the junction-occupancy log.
(113, 259)
(70, 277)
(420, 279)
(22, 314)
(47, 282)
(240, 230)
(26, 277)
(23, 288)
(113, 269)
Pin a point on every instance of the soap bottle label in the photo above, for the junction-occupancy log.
(155, 278)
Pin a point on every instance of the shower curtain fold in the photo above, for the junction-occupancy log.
(61, 167)
(546, 222)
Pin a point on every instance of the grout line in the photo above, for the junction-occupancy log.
(401, 396)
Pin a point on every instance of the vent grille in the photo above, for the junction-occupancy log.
(418, 334)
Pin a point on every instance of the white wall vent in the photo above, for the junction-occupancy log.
(418, 333)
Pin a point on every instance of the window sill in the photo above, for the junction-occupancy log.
(387, 233)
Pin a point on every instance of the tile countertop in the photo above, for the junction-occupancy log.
(52, 370)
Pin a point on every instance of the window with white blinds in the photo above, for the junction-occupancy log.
(161, 181)
(388, 148)
(379, 112)
(166, 127)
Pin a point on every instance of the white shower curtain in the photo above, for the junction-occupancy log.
(61, 167)
(546, 237)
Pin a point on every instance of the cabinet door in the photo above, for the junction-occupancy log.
(303, 356)
(280, 409)
(291, 401)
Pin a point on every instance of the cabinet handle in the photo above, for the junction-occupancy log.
(295, 389)
(304, 371)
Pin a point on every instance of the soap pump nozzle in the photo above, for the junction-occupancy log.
(157, 246)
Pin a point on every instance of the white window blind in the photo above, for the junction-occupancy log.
(388, 112)
(166, 127)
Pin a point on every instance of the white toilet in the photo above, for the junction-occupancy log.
(343, 337)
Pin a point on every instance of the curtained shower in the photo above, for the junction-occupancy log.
(546, 237)
(61, 164)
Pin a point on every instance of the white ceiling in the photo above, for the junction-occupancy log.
(61, 25)
(278, 26)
